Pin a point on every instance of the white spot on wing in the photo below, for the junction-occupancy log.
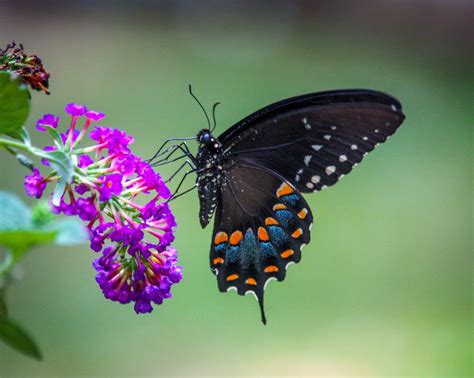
(354, 147)
(330, 170)
(287, 265)
(333, 127)
(317, 147)
(394, 108)
(342, 158)
(306, 124)
(232, 288)
(327, 137)
(307, 159)
(297, 178)
(309, 185)
(315, 179)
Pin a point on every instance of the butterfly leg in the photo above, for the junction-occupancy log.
(175, 194)
(171, 151)
(160, 151)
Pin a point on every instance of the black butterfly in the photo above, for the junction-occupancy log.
(252, 176)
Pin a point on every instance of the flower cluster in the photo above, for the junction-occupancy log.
(122, 200)
(29, 67)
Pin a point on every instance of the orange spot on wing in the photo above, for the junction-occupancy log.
(236, 237)
(287, 253)
(271, 269)
(296, 234)
(232, 277)
(220, 237)
(218, 260)
(284, 190)
(250, 281)
(302, 214)
(263, 234)
(279, 206)
(271, 221)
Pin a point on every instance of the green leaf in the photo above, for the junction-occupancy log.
(21, 134)
(3, 305)
(25, 161)
(54, 133)
(58, 193)
(21, 240)
(14, 104)
(13, 335)
(62, 164)
(70, 232)
(15, 215)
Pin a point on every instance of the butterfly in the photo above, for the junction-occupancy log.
(251, 178)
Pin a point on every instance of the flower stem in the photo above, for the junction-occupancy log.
(13, 143)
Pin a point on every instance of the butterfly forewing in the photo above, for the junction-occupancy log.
(312, 144)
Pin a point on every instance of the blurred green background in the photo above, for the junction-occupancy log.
(385, 286)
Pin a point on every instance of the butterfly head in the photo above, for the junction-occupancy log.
(206, 139)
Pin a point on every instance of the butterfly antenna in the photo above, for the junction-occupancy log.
(202, 107)
(214, 116)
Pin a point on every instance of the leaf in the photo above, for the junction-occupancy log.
(70, 232)
(58, 193)
(15, 215)
(21, 134)
(14, 104)
(21, 240)
(62, 164)
(13, 335)
(54, 133)
(25, 161)
(3, 305)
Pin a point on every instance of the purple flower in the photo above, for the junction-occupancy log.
(85, 161)
(75, 109)
(112, 185)
(94, 116)
(121, 199)
(47, 120)
(35, 184)
(150, 282)
(86, 209)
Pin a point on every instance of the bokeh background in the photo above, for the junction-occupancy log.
(385, 286)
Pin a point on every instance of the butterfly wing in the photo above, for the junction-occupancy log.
(262, 222)
(315, 139)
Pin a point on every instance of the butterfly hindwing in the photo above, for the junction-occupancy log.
(261, 227)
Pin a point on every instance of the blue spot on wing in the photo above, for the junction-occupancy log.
(284, 217)
(233, 254)
(221, 247)
(249, 249)
(277, 235)
(291, 199)
(266, 250)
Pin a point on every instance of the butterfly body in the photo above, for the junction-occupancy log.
(251, 178)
